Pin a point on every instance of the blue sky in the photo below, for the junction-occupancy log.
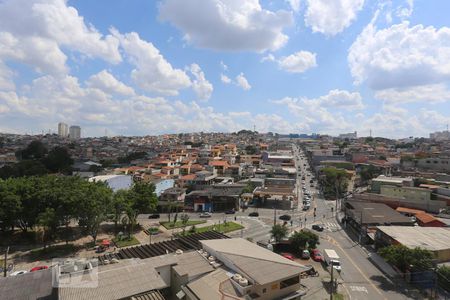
(151, 67)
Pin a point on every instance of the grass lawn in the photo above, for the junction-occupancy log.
(179, 224)
(337, 296)
(230, 226)
(125, 241)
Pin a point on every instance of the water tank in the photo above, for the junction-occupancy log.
(211, 258)
(237, 277)
(243, 282)
(179, 252)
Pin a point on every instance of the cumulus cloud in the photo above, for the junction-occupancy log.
(228, 25)
(108, 83)
(400, 56)
(298, 62)
(202, 87)
(331, 17)
(225, 79)
(153, 72)
(242, 82)
(431, 93)
(54, 20)
(295, 4)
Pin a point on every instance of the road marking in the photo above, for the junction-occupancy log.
(356, 288)
(356, 266)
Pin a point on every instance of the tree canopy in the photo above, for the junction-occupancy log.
(405, 258)
(334, 182)
(278, 232)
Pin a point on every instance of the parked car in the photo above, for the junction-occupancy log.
(100, 249)
(230, 212)
(205, 215)
(285, 217)
(38, 268)
(18, 273)
(253, 214)
(316, 255)
(305, 254)
(317, 227)
(306, 207)
(154, 216)
(288, 256)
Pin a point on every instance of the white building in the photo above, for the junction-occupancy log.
(115, 182)
(440, 135)
(350, 136)
(75, 132)
(63, 129)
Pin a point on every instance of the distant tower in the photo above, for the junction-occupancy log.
(75, 132)
(63, 129)
(370, 134)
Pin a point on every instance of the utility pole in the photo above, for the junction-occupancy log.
(5, 262)
(274, 216)
(332, 281)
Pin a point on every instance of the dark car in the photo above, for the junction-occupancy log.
(230, 212)
(154, 216)
(253, 214)
(317, 227)
(285, 217)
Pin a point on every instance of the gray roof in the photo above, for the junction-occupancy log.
(38, 285)
(125, 279)
(255, 262)
(430, 238)
(192, 264)
(376, 213)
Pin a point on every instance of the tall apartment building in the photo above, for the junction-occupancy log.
(63, 129)
(75, 132)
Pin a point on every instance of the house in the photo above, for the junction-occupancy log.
(220, 166)
(246, 271)
(436, 240)
(427, 220)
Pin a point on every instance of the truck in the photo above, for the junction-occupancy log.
(332, 258)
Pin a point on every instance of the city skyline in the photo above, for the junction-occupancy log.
(152, 68)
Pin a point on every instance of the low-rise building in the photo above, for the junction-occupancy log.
(115, 182)
(436, 240)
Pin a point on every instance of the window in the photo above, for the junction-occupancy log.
(289, 282)
(264, 291)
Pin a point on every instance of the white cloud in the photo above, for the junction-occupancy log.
(108, 83)
(153, 72)
(225, 79)
(406, 11)
(432, 93)
(237, 25)
(400, 56)
(202, 87)
(242, 82)
(295, 4)
(55, 20)
(298, 62)
(342, 99)
(331, 17)
(224, 66)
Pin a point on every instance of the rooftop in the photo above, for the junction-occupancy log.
(257, 263)
(431, 238)
(376, 213)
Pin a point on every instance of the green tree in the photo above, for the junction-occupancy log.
(95, 203)
(34, 150)
(143, 196)
(404, 258)
(58, 160)
(119, 205)
(184, 220)
(279, 232)
(10, 207)
(304, 239)
(443, 276)
(49, 223)
(250, 149)
(368, 172)
(334, 182)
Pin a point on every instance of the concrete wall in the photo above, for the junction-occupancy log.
(414, 194)
(437, 163)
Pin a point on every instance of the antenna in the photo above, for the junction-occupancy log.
(254, 127)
